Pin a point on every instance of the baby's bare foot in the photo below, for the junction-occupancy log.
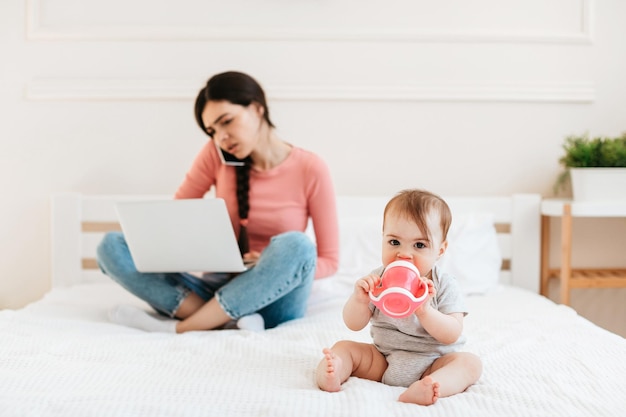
(328, 377)
(422, 392)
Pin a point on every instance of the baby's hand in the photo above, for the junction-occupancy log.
(431, 289)
(364, 285)
(431, 293)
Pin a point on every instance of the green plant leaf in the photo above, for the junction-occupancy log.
(585, 152)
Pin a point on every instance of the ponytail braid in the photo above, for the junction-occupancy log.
(243, 191)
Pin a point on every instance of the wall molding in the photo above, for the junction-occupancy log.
(36, 30)
(47, 89)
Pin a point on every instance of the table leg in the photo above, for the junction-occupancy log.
(545, 256)
(566, 253)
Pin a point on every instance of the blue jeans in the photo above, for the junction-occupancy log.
(277, 287)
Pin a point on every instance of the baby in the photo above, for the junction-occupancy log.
(421, 351)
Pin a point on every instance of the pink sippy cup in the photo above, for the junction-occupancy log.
(401, 290)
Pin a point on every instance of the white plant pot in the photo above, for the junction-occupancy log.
(598, 184)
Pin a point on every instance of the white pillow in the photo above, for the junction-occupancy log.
(473, 254)
(360, 243)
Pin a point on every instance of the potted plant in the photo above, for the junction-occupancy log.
(595, 166)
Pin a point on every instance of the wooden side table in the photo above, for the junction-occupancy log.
(569, 277)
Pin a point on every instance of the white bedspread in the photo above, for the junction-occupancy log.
(61, 357)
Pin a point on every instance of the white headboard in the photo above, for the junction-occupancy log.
(79, 222)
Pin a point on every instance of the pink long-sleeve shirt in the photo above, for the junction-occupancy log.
(281, 199)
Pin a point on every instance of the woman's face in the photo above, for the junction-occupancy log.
(403, 240)
(233, 127)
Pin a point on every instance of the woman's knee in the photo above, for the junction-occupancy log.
(297, 243)
(110, 251)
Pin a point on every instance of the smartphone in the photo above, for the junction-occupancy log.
(227, 158)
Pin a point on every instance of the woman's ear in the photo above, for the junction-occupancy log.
(260, 110)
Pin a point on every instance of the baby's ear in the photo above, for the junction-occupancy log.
(443, 248)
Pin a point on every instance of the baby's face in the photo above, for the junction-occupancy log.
(403, 240)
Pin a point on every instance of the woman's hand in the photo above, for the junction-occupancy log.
(251, 258)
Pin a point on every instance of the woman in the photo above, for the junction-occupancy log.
(271, 188)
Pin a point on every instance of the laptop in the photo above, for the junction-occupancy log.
(180, 235)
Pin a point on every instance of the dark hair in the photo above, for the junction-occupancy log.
(417, 205)
(234, 87)
(241, 89)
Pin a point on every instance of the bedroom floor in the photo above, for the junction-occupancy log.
(604, 307)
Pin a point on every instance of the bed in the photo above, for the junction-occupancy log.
(60, 356)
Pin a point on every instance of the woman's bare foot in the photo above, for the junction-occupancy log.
(423, 392)
(328, 378)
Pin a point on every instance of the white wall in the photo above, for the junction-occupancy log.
(455, 96)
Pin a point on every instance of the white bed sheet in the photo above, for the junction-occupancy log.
(61, 357)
